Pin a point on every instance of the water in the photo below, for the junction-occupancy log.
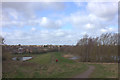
(74, 58)
(21, 58)
(114, 57)
(15, 58)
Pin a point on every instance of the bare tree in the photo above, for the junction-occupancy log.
(103, 48)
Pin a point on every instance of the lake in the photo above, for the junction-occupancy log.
(74, 58)
(21, 58)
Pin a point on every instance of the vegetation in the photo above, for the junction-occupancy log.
(43, 66)
(99, 49)
(105, 70)
(6, 54)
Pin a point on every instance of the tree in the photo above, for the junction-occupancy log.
(2, 40)
(103, 48)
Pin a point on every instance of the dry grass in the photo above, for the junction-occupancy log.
(67, 55)
(112, 68)
(105, 70)
(36, 69)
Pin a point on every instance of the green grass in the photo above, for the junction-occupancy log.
(105, 71)
(44, 66)
(64, 67)
(42, 59)
(62, 59)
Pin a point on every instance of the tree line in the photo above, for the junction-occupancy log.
(103, 48)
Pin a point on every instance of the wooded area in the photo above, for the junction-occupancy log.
(98, 49)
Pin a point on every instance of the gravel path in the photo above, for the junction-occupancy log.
(86, 73)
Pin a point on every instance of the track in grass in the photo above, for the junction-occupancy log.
(87, 73)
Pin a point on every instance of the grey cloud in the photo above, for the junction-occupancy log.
(24, 12)
(27, 9)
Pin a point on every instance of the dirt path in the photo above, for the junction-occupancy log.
(86, 73)
(52, 58)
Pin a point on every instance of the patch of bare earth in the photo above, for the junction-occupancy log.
(86, 73)
(67, 55)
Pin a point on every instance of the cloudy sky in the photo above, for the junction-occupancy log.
(58, 23)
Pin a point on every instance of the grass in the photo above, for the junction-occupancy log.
(42, 59)
(66, 68)
(105, 71)
(43, 66)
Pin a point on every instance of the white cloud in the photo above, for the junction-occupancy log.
(44, 22)
(103, 30)
(33, 29)
(47, 23)
(22, 13)
(44, 37)
(99, 20)
(84, 22)
(105, 11)
(27, 9)
(101, 15)
(59, 33)
(79, 4)
(14, 14)
(89, 26)
(109, 29)
(13, 23)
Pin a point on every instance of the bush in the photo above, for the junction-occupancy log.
(6, 55)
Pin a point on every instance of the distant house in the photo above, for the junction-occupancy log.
(27, 50)
(20, 50)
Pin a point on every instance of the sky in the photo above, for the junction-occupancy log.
(56, 23)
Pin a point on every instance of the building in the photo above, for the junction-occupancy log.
(20, 50)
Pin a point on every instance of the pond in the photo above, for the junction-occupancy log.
(114, 58)
(74, 58)
(21, 58)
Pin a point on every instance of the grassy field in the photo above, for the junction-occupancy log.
(105, 70)
(43, 66)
